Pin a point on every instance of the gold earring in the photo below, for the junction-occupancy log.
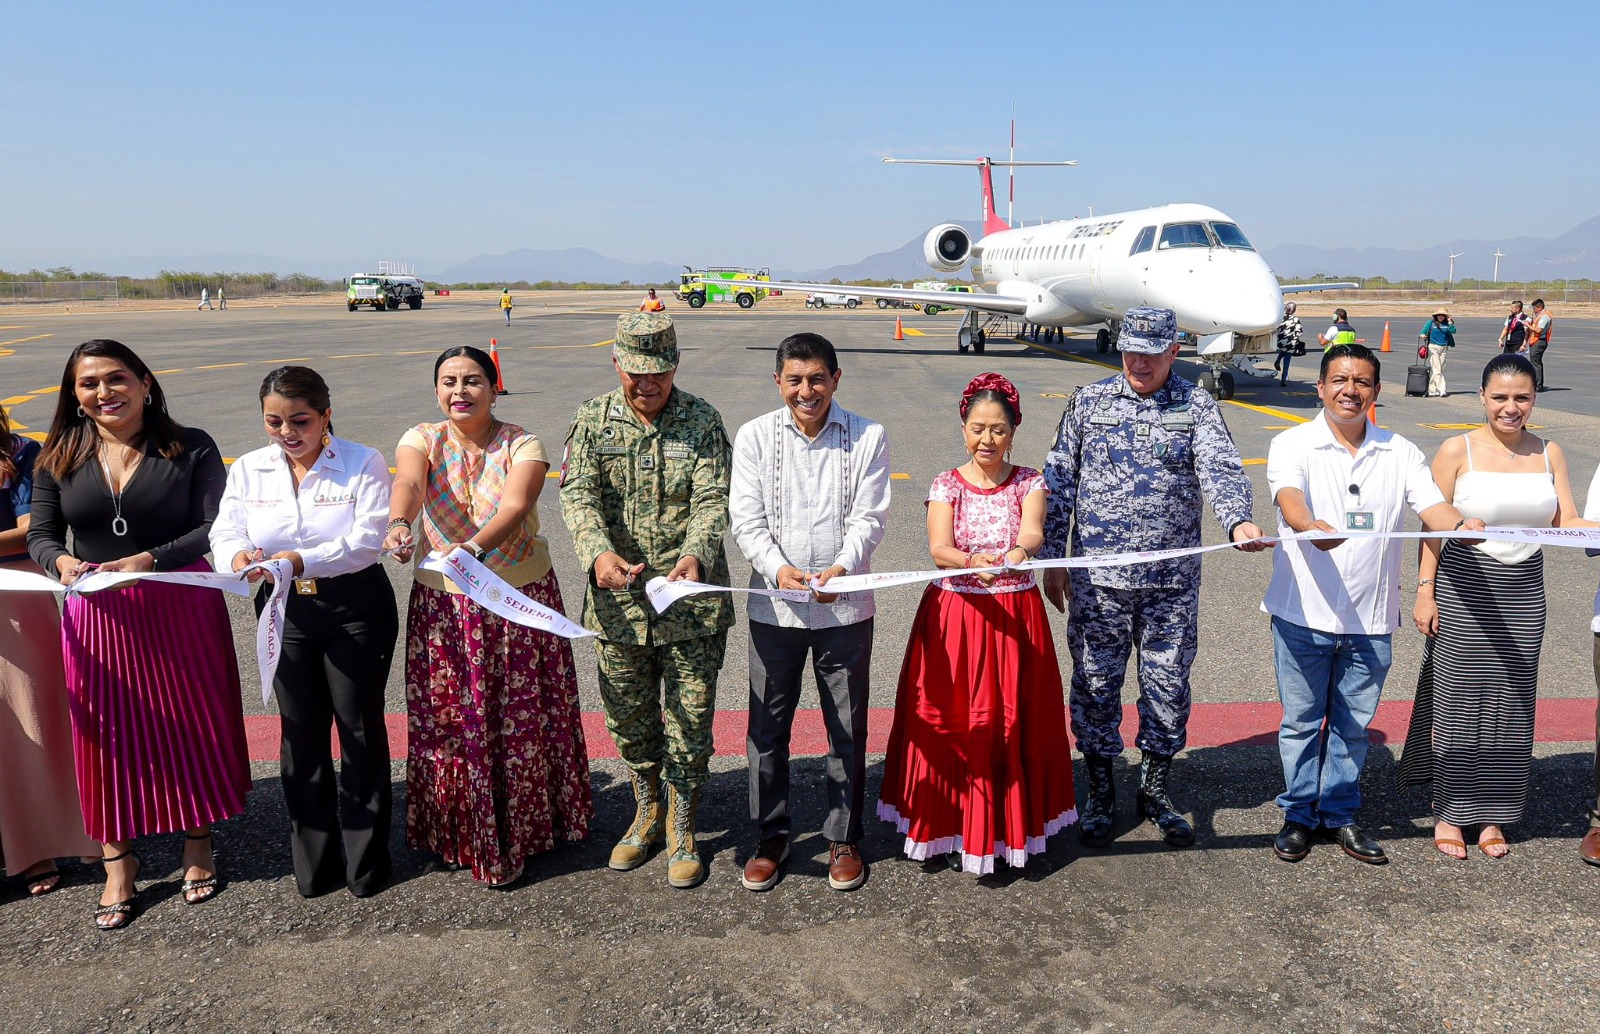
(326, 437)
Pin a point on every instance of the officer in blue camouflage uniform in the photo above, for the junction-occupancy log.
(644, 491)
(1133, 456)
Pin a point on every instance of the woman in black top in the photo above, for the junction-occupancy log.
(152, 681)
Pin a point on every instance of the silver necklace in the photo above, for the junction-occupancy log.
(119, 526)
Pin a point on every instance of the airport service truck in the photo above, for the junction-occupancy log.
(383, 291)
(738, 284)
(823, 299)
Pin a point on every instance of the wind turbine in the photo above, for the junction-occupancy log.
(1498, 255)
(1453, 256)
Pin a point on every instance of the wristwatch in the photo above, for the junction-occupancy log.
(477, 551)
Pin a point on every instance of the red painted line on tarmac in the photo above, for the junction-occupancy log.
(1567, 720)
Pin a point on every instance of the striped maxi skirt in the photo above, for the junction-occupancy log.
(157, 715)
(1471, 732)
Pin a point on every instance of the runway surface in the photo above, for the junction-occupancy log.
(1139, 936)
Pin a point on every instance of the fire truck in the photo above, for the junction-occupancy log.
(738, 284)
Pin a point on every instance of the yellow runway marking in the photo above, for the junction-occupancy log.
(219, 366)
(1254, 463)
(21, 340)
(357, 355)
(284, 362)
(16, 400)
(1276, 427)
(46, 391)
(900, 477)
(17, 326)
(1269, 411)
(913, 332)
(37, 436)
(163, 373)
(607, 341)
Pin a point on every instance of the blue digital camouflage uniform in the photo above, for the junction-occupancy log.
(1126, 474)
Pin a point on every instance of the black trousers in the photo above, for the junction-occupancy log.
(1536, 356)
(337, 648)
(841, 659)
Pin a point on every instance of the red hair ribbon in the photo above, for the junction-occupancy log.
(996, 383)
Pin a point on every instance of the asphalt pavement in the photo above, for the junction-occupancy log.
(1136, 937)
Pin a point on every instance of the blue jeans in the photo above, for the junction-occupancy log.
(1329, 686)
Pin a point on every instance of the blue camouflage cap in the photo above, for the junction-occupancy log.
(1147, 330)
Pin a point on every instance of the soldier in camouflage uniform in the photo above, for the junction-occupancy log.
(644, 491)
(1133, 456)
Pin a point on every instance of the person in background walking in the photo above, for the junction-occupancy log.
(1438, 334)
(222, 299)
(1291, 342)
(651, 303)
(1514, 335)
(205, 299)
(1540, 328)
(505, 303)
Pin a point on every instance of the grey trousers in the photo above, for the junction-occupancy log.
(841, 659)
(1594, 811)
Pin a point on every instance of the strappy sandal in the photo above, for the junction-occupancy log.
(119, 913)
(1484, 845)
(42, 883)
(1440, 843)
(209, 885)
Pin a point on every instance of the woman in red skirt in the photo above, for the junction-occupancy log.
(979, 763)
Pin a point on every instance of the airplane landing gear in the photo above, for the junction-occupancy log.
(971, 335)
(1216, 382)
(1102, 340)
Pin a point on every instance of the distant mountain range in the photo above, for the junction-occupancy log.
(1573, 255)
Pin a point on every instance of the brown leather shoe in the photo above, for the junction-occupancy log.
(1590, 848)
(762, 870)
(846, 870)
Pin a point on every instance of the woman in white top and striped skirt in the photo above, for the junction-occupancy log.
(1482, 608)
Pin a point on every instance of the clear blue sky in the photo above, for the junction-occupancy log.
(750, 134)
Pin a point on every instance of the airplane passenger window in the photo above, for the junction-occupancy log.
(1183, 235)
(1231, 236)
(1142, 243)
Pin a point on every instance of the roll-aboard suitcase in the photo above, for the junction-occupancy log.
(1417, 380)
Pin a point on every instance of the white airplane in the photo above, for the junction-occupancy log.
(1189, 258)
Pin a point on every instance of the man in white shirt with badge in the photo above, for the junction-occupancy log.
(1335, 603)
(809, 494)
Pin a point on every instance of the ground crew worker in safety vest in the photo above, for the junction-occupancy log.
(1136, 459)
(1341, 333)
(644, 491)
(505, 303)
(1539, 330)
(652, 304)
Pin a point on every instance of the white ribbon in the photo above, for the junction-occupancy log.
(493, 593)
(663, 594)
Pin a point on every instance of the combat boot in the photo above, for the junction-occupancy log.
(633, 850)
(1100, 805)
(1155, 805)
(684, 868)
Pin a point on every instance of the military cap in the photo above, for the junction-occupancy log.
(646, 343)
(1147, 330)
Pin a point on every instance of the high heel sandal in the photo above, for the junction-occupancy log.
(208, 885)
(119, 912)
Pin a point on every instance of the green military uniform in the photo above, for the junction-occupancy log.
(653, 493)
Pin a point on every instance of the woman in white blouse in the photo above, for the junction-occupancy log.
(322, 503)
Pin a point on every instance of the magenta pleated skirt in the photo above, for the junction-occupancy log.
(157, 715)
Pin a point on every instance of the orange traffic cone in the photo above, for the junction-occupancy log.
(1386, 347)
(499, 378)
(1372, 414)
(899, 331)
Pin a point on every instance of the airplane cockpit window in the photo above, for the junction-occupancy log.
(1230, 236)
(1184, 235)
(1143, 242)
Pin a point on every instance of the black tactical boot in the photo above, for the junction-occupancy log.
(1100, 805)
(1155, 805)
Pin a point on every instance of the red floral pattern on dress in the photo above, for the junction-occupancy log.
(987, 520)
(497, 768)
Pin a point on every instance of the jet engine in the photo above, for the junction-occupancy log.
(947, 247)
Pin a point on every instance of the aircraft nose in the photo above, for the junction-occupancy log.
(1239, 294)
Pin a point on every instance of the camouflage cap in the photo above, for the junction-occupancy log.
(1147, 330)
(646, 343)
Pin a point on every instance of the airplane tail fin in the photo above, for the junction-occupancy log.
(992, 223)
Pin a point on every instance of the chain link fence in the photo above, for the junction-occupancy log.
(20, 291)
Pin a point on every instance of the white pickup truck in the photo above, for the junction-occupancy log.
(823, 299)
